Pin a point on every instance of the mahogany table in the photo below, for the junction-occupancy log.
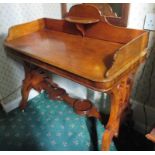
(86, 49)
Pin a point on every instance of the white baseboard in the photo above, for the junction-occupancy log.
(7, 107)
(15, 103)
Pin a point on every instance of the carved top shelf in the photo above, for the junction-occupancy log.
(101, 57)
(82, 20)
(83, 14)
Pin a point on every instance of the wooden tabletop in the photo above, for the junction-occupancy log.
(97, 60)
(72, 53)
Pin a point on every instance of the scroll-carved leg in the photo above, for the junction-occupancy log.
(25, 88)
(31, 81)
(25, 93)
(119, 101)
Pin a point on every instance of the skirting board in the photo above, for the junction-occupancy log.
(15, 103)
(7, 107)
(139, 117)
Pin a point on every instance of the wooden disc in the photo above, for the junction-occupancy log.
(82, 106)
(58, 93)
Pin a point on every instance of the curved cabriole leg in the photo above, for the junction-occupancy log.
(25, 93)
(119, 101)
(26, 87)
(32, 79)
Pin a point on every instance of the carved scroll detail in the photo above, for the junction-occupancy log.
(119, 95)
(38, 80)
(80, 27)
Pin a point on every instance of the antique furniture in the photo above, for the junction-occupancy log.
(116, 13)
(86, 49)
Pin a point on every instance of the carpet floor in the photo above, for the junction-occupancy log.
(48, 125)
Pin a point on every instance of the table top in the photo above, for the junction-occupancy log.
(61, 50)
(97, 60)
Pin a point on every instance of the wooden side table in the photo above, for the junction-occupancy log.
(86, 49)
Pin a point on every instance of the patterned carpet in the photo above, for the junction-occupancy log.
(47, 125)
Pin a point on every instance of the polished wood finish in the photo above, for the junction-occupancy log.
(98, 86)
(89, 14)
(97, 55)
(111, 16)
(88, 11)
(81, 21)
(66, 53)
(95, 36)
(25, 29)
(119, 103)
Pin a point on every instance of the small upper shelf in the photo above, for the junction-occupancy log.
(88, 15)
(79, 20)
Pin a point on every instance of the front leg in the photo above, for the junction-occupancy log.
(25, 93)
(26, 87)
(32, 80)
(119, 102)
